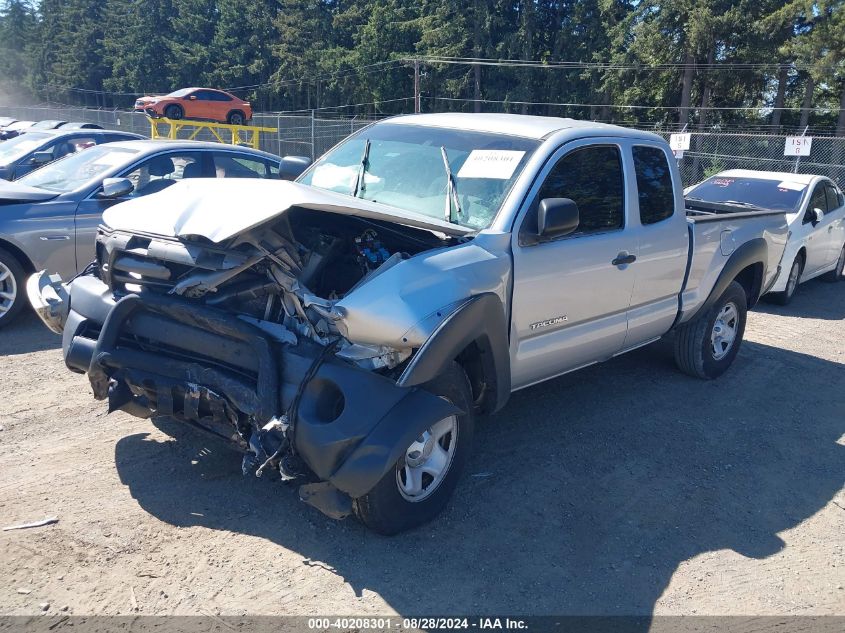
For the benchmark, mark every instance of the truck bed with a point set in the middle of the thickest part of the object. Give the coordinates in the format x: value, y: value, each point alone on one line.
x: 715, y: 235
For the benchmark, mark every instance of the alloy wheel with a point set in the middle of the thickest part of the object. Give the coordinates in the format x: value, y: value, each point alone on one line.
x: 8, y: 289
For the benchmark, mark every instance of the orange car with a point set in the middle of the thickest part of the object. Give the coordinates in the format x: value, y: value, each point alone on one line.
x: 197, y: 103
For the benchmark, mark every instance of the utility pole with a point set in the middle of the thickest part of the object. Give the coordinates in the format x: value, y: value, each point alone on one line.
x: 416, y: 86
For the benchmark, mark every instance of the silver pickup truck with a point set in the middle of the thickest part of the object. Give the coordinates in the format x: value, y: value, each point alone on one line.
x: 347, y: 329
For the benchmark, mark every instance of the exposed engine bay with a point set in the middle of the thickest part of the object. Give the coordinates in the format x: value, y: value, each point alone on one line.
x: 247, y: 338
x: 286, y: 277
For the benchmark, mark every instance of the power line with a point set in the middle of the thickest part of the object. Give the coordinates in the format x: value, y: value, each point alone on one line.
x: 629, y: 106
x: 581, y: 65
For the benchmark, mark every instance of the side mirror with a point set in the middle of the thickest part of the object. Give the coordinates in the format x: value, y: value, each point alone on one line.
x: 116, y: 188
x: 192, y: 98
x: 557, y: 217
x: 292, y: 167
x: 818, y: 215
x: 41, y: 158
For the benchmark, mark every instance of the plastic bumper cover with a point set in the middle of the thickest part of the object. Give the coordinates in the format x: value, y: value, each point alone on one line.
x: 352, y: 425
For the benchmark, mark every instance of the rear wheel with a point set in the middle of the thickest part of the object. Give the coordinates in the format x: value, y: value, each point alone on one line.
x: 236, y: 118
x: 838, y: 273
x: 419, y: 485
x: 12, y: 297
x: 706, y: 347
x: 785, y: 297
x: 174, y: 112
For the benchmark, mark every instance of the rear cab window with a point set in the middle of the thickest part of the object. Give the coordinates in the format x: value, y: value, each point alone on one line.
x: 655, y: 191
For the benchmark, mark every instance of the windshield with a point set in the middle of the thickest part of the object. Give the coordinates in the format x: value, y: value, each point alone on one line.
x: 404, y: 167
x: 181, y: 93
x: 778, y: 195
x: 77, y: 169
x: 20, y: 146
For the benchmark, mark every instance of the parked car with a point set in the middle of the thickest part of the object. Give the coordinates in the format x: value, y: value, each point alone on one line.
x: 15, y: 129
x: 815, y: 210
x: 347, y: 329
x: 81, y: 125
x: 48, y: 124
x: 32, y: 150
x: 204, y: 104
x: 50, y: 217
x: 6, y: 120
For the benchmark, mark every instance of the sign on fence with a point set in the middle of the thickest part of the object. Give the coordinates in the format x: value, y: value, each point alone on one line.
x: 797, y: 145
x: 679, y: 142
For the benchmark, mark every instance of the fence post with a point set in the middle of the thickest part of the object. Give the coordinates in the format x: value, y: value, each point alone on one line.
x: 313, y: 147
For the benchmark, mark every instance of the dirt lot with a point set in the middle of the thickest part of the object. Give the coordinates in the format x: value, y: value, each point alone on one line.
x: 626, y: 488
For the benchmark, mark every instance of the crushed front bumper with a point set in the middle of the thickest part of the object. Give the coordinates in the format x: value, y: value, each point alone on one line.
x: 49, y: 298
x: 151, y: 354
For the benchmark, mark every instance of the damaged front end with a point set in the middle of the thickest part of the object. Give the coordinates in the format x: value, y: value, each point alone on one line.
x: 249, y: 338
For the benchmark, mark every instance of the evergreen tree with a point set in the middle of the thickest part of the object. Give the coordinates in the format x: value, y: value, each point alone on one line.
x: 18, y: 28
x: 137, y: 46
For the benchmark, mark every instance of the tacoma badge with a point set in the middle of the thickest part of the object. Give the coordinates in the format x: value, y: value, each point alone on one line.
x: 555, y: 321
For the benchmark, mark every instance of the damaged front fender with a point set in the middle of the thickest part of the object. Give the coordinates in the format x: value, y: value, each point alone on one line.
x: 354, y: 425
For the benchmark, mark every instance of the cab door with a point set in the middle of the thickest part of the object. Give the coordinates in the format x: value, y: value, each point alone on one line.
x: 571, y: 294
x: 819, y: 234
x: 836, y: 228
x: 660, y: 227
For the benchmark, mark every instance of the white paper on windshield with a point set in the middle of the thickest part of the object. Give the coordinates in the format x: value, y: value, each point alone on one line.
x: 25, y: 146
x: 340, y: 177
x: 110, y: 159
x: 490, y: 163
x: 792, y: 186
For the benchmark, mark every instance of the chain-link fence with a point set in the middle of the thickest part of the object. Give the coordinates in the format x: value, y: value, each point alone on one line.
x: 712, y: 152
x: 310, y: 134
x: 304, y: 134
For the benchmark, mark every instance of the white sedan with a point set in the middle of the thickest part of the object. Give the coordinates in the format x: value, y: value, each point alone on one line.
x: 815, y: 211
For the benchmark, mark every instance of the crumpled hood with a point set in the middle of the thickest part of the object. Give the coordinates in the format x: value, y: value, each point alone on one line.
x: 13, y: 191
x: 219, y: 209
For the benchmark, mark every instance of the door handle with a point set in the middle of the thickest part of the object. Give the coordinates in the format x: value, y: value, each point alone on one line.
x: 624, y: 258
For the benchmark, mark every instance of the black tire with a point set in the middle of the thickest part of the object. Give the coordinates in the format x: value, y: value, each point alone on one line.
x: 236, y: 117
x: 174, y: 112
x: 795, y: 271
x: 13, y: 283
x: 387, y: 511
x: 838, y: 273
x: 695, y: 352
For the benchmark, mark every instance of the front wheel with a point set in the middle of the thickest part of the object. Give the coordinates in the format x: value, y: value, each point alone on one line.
x: 838, y: 273
x: 785, y: 297
x: 12, y: 297
x: 173, y: 112
x: 706, y: 347
x: 419, y: 485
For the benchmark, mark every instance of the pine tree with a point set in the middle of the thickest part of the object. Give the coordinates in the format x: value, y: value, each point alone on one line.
x: 137, y: 46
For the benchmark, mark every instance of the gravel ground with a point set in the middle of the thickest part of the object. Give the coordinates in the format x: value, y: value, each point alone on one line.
x: 626, y: 488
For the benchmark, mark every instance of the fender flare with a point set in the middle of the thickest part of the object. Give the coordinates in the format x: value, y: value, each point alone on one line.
x: 481, y: 320
x: 752, y: 252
